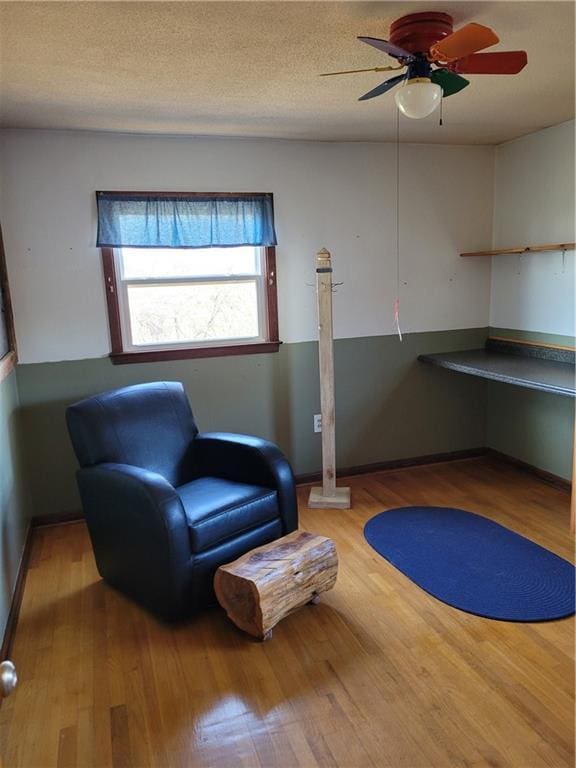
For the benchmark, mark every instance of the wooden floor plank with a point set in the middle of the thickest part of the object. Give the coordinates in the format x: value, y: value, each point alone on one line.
x: 379, y: 674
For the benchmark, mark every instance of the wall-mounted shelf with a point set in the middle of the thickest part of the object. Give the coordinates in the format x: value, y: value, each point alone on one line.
x: 522, y: 371
x: 525, y: 249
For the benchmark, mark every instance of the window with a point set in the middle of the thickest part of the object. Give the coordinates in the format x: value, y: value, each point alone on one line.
x: 8, y: 357
x: 179, y: 303
x: 188, y: 274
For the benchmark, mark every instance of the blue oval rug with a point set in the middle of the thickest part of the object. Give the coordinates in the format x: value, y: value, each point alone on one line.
x: 474, y: 564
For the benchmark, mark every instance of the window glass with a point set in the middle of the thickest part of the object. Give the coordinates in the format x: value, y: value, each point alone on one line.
x: 138, y: 263
x: 198, y: 312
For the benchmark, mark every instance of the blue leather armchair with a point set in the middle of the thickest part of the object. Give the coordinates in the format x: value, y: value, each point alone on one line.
x: 165, y: 506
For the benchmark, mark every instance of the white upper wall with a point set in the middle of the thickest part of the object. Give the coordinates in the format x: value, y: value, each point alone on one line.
x: 534, y: 204
x: 342, y: 196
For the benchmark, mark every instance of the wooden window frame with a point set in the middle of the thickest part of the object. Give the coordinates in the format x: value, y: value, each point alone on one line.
x: 119, y: 356
x: 9, y: 360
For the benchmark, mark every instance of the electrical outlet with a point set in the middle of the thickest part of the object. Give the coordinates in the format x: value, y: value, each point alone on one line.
x: 317, y: 422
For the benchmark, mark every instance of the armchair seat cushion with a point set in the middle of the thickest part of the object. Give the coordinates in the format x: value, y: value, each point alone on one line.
x: 218, y: 509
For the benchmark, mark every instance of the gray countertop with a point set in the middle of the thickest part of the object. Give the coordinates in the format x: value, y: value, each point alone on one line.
x: 523, y: 371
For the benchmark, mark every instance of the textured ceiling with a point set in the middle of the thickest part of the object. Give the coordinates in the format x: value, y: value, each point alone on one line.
x: 250, y: 69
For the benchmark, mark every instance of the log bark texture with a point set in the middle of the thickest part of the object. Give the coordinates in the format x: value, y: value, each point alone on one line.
x: 272, y: 581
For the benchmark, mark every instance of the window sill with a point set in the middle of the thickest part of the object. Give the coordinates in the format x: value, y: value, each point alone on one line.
x: 156, y: 356
x: 7, y: 364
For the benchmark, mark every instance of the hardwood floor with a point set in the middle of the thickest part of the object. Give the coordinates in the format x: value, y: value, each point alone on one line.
x: 378, y: 674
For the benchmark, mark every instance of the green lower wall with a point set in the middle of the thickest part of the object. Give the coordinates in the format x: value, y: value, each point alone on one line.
x: 389, y: 406
x: 12, y: 516
x: 536, y: 427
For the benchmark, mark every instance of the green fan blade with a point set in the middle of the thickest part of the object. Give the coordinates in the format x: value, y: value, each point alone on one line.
x: 450, y: 82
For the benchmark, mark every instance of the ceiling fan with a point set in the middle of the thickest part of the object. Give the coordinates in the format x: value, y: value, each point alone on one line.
x: 434, y: 58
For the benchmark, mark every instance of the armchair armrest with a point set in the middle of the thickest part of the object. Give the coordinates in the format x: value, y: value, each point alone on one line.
x: 248, y: 459
x: 139, y: 533
x: 157, y: 489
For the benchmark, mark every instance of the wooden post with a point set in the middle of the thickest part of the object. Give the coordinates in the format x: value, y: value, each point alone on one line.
x: 329, y: 496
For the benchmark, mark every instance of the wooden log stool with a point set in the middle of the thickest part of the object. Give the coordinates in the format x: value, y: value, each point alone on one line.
x: 268, y: 583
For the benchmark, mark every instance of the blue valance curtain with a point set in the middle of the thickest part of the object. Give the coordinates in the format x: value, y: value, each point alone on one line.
x: 136, y: 220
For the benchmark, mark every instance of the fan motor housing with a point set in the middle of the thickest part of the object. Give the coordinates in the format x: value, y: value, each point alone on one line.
x: 417, y: 32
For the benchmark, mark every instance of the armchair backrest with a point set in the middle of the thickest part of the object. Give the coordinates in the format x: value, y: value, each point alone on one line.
x: 146, y: 425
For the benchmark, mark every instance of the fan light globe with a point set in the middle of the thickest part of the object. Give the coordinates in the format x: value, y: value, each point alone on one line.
x: 418, y: 98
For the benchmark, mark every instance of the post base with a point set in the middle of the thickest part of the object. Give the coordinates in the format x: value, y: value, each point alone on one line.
x: 339, y: 498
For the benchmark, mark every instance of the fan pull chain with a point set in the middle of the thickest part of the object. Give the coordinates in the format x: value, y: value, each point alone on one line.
x: 397, y: 299
x: 442, y: 110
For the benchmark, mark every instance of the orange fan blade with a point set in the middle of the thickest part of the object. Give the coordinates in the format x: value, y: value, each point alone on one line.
x: 498, y: 63
x: 469, y: 39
